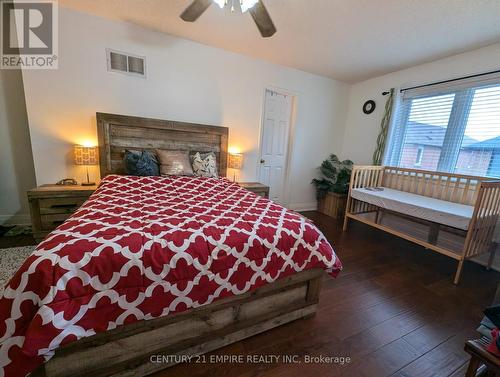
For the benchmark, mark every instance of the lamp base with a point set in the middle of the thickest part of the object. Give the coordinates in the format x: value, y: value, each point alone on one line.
x: 88, y: 183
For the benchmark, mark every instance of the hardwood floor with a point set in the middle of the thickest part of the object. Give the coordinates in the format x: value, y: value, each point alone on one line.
x: 393, y: 310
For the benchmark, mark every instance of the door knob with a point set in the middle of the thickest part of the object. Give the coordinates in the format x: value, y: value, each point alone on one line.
x: 262, y: 161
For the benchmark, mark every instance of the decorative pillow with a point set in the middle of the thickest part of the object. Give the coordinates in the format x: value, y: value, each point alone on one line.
x: 204, y: 164
x: 174, y: 162
x: 141, y: 163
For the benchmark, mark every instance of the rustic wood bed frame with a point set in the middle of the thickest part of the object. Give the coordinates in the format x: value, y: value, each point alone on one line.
x: 143, y: 347
x: 116, y: 133
x: 480, y: 192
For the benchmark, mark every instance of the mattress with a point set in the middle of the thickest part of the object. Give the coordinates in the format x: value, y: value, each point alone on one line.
x: 146, y: 247
x: 439, y: 211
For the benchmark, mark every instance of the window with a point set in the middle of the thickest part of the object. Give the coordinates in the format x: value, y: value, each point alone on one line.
x: 457, y: 125
x: 420, y: 155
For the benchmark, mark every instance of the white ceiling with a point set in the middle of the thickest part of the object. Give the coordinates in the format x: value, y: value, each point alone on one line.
x: 349, y: 40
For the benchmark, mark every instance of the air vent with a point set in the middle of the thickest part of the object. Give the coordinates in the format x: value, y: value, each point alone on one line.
x: 126, y: 63
x: 117, y: 62
x: 136, y: 65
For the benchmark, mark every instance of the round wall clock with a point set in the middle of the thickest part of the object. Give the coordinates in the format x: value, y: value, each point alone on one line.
x: 369, y: 106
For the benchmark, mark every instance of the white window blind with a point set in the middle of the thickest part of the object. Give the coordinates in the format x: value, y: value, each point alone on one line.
x: 453, y: 127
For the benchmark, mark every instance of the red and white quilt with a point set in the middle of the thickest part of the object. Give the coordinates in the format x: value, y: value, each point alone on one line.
x: 145, y: 247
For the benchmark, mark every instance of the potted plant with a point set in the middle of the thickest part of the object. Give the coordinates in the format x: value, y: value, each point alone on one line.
x: 332, y: 188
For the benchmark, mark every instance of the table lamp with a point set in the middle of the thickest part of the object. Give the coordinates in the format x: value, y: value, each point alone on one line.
x: 235, y: 162
x: 86, y: 156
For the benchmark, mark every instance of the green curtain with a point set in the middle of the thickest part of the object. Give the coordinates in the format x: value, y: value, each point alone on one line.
x: 384, y: 128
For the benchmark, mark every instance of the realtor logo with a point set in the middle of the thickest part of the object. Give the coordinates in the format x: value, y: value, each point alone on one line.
x: 29, y: 34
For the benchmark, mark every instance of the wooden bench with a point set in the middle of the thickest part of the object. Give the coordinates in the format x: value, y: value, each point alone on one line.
x: 451, y: 214
x: 481, y: 360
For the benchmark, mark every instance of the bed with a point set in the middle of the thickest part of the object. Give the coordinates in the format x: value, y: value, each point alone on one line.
x: 153, y: 267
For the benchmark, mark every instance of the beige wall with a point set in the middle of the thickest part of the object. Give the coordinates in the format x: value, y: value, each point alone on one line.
x: 185, y: 81
x: 16, y: 161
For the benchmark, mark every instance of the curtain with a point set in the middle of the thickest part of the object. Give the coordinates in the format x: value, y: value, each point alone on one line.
x: 384, y: 128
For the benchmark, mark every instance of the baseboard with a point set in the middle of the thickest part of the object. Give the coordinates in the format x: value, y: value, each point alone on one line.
x: 312, y: 206
x: 15, y: 219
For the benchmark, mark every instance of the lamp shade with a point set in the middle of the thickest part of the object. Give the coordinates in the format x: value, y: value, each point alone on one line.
x: 86, y: 155
x: 235, y: 161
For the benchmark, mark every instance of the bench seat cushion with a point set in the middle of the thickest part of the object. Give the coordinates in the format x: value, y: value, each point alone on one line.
x: 439, y: 211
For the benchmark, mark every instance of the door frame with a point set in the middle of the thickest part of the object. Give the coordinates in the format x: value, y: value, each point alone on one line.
x: 291, y: 136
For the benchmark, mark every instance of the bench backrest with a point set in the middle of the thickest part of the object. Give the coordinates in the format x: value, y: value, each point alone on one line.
x: 455, y: 188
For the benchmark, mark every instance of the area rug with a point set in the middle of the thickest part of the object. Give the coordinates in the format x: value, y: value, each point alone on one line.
x: 10, y: 260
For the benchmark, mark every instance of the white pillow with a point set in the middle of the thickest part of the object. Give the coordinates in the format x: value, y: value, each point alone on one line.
x: 204, y: 164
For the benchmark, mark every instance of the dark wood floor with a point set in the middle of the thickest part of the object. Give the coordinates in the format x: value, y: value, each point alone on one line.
x: 17, y: 241
x: 393, y: 310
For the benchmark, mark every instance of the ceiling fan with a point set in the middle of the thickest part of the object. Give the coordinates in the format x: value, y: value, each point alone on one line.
x: 256, y: 8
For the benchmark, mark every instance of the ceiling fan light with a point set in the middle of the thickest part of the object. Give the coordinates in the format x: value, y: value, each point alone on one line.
x: 220, y: 3
x: 247, y: 4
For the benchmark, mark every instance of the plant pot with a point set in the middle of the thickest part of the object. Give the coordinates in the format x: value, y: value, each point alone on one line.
x: 333, y: 205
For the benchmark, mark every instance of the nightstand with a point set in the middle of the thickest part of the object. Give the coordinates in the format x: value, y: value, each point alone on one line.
x: 50, y: 205
x: 256, y: 187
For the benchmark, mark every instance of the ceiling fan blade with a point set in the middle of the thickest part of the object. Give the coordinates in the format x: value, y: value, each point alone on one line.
x: 262, y: 19
x: 195, y: 10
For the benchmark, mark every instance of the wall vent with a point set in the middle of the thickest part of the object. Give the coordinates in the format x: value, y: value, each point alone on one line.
x: 123, y: 62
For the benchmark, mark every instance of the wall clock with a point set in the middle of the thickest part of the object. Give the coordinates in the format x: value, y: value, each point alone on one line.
x: 369, y: 106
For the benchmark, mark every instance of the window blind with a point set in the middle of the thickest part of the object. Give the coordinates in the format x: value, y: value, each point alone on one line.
x: 453, y: 127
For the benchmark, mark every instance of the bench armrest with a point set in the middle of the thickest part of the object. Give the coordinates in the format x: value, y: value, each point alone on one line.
x: 484, y: 219
x: 366, y: 176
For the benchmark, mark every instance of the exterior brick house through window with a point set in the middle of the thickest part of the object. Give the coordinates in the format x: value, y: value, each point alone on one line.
x: 448, y: 129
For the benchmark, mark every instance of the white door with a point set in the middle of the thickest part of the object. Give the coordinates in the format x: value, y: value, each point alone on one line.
x: 274, y: 144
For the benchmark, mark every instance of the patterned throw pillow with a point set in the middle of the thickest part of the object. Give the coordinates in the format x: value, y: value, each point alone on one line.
x: 204, y: 164
x: 141, y: 163
x: 174, y: 162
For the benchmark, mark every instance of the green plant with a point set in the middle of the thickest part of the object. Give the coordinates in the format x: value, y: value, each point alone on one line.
x: 336, y: 176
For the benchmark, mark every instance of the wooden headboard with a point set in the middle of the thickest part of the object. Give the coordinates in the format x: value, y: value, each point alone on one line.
x: 116, y: 133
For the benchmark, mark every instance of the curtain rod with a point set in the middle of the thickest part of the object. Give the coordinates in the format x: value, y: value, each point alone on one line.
x: 451, y: 80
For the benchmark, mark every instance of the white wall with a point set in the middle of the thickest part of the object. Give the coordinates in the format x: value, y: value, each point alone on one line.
x: 186, y: 81
x: 16, y: 163
x: 361, y: 130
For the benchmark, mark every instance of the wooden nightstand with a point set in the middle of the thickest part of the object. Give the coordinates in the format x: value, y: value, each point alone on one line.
x: 50, y: 205
x: 256, y: 187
